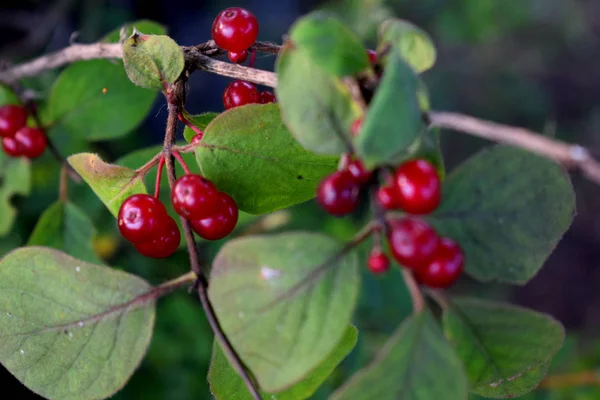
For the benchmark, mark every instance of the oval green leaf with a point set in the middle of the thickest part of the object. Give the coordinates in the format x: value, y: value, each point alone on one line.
x: 70, y: 329
x: 15, y: 179
x: 111, y: 183
x: 63, y: 226
x: 226, y: 384
x: 8, y: 96
x: 284, y: 297
x: 250, y: 154
x: 143, y: 25
x: 506, y: 349
x: 329, y: 44
x: 393, y: 120
x: 414, y: 45
x: 508, y: 208
x: 416, y: 363
x: 152, y: 61
x: 316, y: 107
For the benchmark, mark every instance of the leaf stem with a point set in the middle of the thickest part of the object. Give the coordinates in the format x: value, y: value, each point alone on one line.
x: 63, y: 184
x: 584, y: 378
x: 187, y: 123
x: 414, y: 290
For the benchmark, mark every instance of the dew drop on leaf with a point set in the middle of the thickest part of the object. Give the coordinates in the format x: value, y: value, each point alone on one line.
x: 22, y: 351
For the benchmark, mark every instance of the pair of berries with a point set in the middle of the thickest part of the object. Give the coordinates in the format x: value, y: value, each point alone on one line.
x: 435, y: 261
x: 17, y: 138
x: 338, y: 193
x: 143, y: 219
x: 239, y: 93
x: 235, y: 29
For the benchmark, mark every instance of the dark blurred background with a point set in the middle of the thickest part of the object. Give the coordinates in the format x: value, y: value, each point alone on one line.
x: 533, y: 63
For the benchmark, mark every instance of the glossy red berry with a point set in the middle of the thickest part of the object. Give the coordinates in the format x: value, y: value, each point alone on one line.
x: 412, y: 241
x: 378, y: 262
x: 197, y: 138
x: 372, y: 56
x: 387, y: 197
x: 240, y: 93
x: 238, y: 58
x: 267, y: 97
x: 235, y: 29
x: 142, y: 218
x: 359, y: 172
x: 12, y: 118
x: 32, y: 141
x: 164, y: 245
x: 194, y: 197
x: 419, y: 187
x: 222, y: 221
x: 11, y: 147
x: 356, y: 125
x: 445, y: 267
x: 338, y: 193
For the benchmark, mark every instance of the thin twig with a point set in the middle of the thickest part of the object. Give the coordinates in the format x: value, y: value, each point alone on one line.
x: 63, y: 185
x: 571, y: 156
x: 202, y: 282
x: 574, y: 379
x: 414, y: 289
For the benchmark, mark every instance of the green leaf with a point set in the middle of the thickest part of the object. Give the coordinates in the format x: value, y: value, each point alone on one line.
x: 393, y: 121
x: 15, y: 179
x: 152, y: 61
x: 63, y: 226
x: 284, y: 297
x: 94, y: 100
x: 506, y: 349
x: 414, y: 44
x: 316, y: 107
x: 143, y: 25
x: 8, y: 96
x: 508, y: 208
x: 249, y: 153
x: 329, y: 44
x: 111, y: 183
x: 65, y: 333
x: 416, y: 363
x: 200, y: 121
x: 226, y: 384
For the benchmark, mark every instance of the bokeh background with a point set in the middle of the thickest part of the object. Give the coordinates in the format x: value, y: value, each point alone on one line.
x: 533, y: 63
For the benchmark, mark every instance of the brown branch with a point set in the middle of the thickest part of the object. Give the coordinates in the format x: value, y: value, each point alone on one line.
x: 585, y: 378
x: 571, y: 156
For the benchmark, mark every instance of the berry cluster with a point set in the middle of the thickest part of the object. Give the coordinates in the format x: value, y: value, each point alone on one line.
x: 143, y: 219
x: 235, y: 29
x: 19, y: 140
x: 415, y: 189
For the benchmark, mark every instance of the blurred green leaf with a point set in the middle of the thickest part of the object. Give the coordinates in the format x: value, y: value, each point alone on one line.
x: 416, y: 363
x: 329, y: 44
x: 321, y: 125
x: 63, y: 226
x: 506, y: 349
x: 226, y: 384
x: 63, y: 334
x: 284, y: 297
x: 508, y: 208
x: 15, y: 179
x: 428, y: 147
x: 111, y: 183
x: 8, y: 96
x: 393, y: 120
x: 200, y: 121
x: 143, y: 25
x: 151, y: 61
x: 249, y: 154
x: 412, y: 43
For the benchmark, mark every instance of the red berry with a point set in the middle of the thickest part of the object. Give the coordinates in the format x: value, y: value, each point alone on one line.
x: 32, y: 141
x: 12, y: 118
x: 267, y: 97
x: 338, y: 193
x: 239, y: 57
x: 372, y: 56
x: 359, y: 172
x: 387, y: 197
x: 164, y: 245
x: 222, y: 221
x: 142, y: 218
x: 419, y: 187
x: 235, y: 29
x: 412, y: 241
x: 378, y: 262
x: 197, y: 138
x: 240, y: 93
x: 445, y: 267
x: 12, y: 147
x: 194, y: 197
x: 356, y: 125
